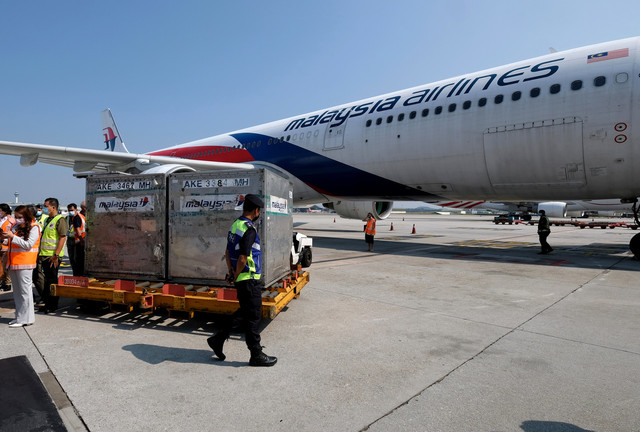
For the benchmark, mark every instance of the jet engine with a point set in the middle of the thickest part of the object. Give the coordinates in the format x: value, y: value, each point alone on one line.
x: 359, y: 209
x: 553, y: 208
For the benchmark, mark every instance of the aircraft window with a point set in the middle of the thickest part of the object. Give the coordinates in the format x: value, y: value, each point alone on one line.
x: 400, y: 117
x: 599, y: 81
x: 535, y: 92
x: 498, y: 99
x: 288, y: 138
x: 576, y: 85
x: 425, y: 112
x: 482, y: 102
x: 412, y: 115
x: 516, y: 95
x: 554, y: 89
x: 368, y: 122
x: 438, y: 110
x: 452, y: 107
x: 466, y: 105
x: 258, y: 144
x: 379, y: 120
x: 389, y: 119
x: 269, y: 142
x: 281, y: 138
x: 622, y: 77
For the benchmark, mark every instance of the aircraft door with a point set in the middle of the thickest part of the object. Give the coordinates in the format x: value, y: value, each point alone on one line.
x: 553, y: 151
x: 334, y: 137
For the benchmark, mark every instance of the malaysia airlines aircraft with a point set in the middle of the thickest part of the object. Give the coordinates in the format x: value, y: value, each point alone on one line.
x: 555, y: 127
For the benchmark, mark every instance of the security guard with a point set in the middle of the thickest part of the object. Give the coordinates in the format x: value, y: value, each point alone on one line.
x: 54, y: 235
x: 243, y: 257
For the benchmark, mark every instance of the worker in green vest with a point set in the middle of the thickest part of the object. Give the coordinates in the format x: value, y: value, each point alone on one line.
x: 244, y: 260
x: 54, y: 236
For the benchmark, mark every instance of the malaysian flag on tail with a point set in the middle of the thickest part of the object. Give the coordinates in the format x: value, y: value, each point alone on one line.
x: 608, y: 55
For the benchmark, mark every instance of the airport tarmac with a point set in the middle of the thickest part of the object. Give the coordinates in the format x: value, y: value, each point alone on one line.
x: 459, y: 327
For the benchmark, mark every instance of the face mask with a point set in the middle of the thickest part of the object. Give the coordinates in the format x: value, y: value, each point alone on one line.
x: 255, y: 218
x: 19, y: 221
x: 38, y: 213
x: 72, y: 213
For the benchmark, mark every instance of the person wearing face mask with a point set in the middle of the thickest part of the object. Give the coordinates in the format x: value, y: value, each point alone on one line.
x: 75, y: 239
x: 40, y: 216
x: 24, y: 240
x: 54, y: 235
x: 6, y: 222
x: 243, y: 256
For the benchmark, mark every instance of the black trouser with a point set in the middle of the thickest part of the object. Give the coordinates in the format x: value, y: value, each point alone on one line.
x: 250, y: 299
x: 543, y: 241
x: 47, y: 275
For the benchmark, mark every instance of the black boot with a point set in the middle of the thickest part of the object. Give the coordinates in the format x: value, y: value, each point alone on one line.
x: 5, y: 287
x: 216, y: 342
x: 258, y: 358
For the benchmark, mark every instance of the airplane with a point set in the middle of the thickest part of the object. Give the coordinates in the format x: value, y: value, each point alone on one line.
x: 558, y: 209
x: 555, y: 127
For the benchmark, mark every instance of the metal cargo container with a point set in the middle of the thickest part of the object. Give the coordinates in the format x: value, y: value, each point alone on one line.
x: 202, y: 208
x: 126, y: 226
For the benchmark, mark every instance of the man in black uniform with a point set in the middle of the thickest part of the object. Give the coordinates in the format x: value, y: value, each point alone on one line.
x: 544, y: 229
x: 243, y: 257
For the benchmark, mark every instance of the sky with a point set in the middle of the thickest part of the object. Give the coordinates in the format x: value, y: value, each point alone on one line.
x: 174, y: 72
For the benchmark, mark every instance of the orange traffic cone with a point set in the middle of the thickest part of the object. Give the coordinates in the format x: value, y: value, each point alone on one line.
x: 391, y: 229
x: 413, y: 231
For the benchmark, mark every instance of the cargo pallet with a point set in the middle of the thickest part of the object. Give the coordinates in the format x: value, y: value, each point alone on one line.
x: 177, y: 299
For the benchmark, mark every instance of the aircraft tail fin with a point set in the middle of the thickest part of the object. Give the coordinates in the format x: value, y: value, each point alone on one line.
x: 112, y: 138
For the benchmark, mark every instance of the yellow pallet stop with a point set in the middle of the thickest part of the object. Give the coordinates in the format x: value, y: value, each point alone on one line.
x: 189, y: 299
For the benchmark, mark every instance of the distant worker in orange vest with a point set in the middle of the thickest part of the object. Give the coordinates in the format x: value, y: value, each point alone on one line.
x: 370, y: 231
x: 6, y: 222
x: 24, y: 241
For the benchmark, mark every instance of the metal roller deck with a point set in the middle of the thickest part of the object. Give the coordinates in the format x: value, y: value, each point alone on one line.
x: 177, y: 298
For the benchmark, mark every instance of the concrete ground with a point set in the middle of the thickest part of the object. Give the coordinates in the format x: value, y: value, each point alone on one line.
x: 459, y: 327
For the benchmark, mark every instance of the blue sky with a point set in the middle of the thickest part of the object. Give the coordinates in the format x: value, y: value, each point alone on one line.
x: 173, y: 71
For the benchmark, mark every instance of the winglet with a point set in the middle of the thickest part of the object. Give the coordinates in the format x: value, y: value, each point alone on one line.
x: 112, y: 137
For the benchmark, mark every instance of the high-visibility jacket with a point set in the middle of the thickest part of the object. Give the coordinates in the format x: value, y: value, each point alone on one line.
x: 21, y: 259
x: 371, y: 227
x: 42, y: 219
x: 80, y: 233
x: 6, y: 226
x: 253, y: 267
x: 49, y: 239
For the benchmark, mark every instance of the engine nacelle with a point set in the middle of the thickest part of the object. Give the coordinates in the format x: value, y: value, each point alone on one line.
x: 359, y: 209
x: 553, y: 208
x: 167, y: 169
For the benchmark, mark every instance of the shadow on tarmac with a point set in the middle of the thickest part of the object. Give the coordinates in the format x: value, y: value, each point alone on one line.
x: 550, y: 426
x: 594, y: 255
x: 156, y: 354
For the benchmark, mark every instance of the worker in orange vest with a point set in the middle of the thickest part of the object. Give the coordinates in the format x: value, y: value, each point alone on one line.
x: 24, y: 242
x: 6, y: 222
x: 370, y: 231
x: 75, y: 239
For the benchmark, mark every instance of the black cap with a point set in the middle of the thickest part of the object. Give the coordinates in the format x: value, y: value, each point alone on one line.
x: 251, y: 202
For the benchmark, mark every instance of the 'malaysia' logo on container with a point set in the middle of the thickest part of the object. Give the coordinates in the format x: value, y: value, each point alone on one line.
x: 278, y: 205
x: 211, y: 202
x: 142, y: 203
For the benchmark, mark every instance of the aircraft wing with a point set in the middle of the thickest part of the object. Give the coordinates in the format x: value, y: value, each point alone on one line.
x: 82, y: 160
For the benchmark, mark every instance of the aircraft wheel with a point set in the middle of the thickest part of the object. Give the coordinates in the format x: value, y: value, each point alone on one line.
x: 634, y: 245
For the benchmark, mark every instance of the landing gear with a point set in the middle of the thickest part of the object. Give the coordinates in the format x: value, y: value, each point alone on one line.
x: 634, y: 244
